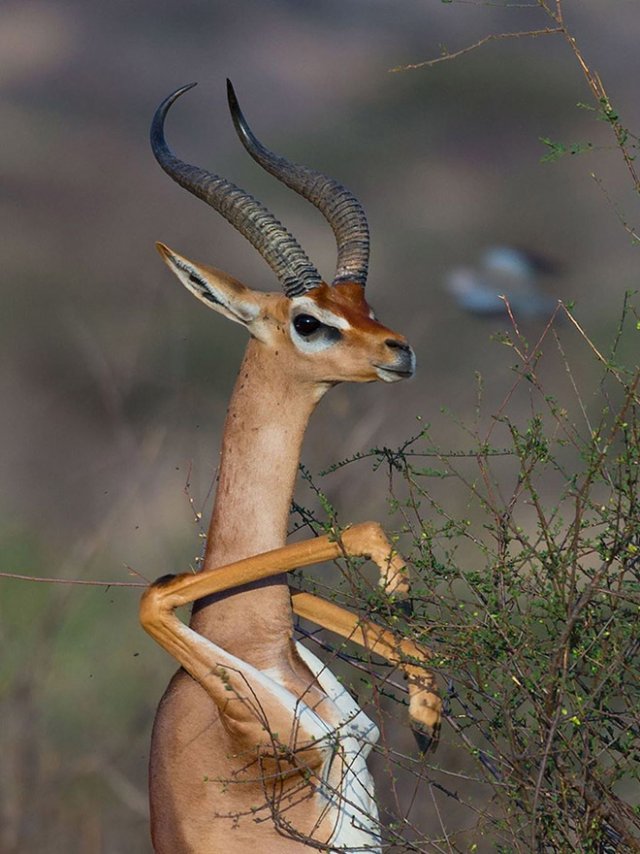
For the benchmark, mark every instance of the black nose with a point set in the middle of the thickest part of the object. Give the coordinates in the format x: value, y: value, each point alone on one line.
x: 397, y: 345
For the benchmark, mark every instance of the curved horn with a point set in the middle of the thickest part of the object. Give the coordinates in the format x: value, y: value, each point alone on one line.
x: 340, y: 208
x: 250, y: 217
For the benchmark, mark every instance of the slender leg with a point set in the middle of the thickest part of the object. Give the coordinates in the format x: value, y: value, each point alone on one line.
x: 425, y: 705
x: 364, y: 540
x: 237, y: 688
x: 253, y: 706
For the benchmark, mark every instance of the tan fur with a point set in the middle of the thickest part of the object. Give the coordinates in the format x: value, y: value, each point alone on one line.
x: 220, y: 781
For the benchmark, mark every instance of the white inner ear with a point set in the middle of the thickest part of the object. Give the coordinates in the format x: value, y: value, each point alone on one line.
x: 215, y: 297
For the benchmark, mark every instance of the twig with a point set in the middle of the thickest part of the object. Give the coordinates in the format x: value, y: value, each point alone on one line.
x: 621, y: 218
x: 594, y: 349
x: 492, y: 37
x: 78, y: 581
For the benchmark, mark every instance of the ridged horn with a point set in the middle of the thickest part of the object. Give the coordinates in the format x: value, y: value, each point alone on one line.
x: 250, y: 217
x: 338, y: 205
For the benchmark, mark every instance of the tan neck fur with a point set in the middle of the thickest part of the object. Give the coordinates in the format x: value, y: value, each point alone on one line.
x: 263, y: 433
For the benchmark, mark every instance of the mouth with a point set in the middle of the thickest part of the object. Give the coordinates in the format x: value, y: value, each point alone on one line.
x: 391, y: 374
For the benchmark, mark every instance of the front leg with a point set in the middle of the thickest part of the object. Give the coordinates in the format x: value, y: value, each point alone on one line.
x: 364, y: 540
x: 227, y: 679
x: 251, y: 704
x: 264, y: 719
x: 425, y: 705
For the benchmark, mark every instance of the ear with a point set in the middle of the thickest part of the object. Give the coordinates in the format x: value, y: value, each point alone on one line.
x: 214, y: 288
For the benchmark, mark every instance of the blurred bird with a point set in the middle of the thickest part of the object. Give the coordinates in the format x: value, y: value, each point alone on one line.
x: 503, y: 271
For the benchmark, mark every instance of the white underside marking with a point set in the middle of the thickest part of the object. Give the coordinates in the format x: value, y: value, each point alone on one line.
x: 349, y: 801
x: 357, y: 826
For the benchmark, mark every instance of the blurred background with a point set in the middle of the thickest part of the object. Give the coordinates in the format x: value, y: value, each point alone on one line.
x: 114, y: 381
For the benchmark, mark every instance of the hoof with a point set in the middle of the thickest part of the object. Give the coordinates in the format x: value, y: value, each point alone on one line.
x: 405, y: 606
x: 426, y: 738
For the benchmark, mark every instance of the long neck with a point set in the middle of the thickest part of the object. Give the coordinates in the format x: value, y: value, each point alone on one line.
x: 263, y: 433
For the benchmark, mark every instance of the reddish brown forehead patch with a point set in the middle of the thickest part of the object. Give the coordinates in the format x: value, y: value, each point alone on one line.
x: 346, y: 299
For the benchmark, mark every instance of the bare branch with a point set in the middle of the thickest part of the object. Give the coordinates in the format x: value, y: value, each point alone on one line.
x: 75, y: 581
x: 428, y: 63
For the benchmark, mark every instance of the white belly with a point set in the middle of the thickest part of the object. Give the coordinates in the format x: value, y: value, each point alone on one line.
x: 352, y: 799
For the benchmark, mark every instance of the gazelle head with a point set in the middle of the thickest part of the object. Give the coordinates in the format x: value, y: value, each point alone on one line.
x: 324, y: 333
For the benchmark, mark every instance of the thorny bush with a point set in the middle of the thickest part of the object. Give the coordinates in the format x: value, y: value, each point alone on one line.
x: 530, y: 603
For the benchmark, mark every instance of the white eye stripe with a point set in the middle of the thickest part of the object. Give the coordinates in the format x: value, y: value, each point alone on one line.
x: 324, y: 316
x: 314, y: 346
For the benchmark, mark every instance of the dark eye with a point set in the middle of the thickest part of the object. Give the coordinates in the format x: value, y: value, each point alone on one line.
x: 305, y: 324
